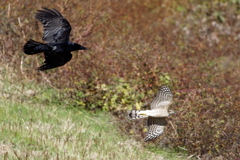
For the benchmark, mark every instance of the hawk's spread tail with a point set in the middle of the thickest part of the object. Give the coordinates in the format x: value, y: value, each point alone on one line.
x: 134, y: 114
x: 33, y: 47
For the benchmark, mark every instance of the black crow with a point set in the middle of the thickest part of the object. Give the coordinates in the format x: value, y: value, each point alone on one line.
x: 57, y: 51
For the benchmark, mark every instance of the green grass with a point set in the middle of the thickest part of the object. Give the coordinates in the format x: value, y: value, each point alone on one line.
x: 37, y: 122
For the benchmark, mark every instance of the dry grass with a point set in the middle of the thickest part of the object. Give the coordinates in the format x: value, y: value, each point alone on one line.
x: 135, y: 47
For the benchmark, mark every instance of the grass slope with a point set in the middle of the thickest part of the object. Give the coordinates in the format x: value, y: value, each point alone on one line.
x: 38, y: 123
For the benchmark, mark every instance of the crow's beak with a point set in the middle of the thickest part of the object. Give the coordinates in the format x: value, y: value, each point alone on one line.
x: 84, y: 48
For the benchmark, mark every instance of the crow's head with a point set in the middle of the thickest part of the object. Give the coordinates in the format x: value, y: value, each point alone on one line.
x: 76, y: 46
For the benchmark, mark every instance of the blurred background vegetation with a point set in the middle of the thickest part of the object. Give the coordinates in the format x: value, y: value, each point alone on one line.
x: 135, y: 47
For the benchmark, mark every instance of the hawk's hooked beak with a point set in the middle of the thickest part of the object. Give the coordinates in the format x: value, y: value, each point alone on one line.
x: 171, y: 112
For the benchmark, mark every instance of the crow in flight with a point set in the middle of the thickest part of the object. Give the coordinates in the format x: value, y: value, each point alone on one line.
x: 57, y: 51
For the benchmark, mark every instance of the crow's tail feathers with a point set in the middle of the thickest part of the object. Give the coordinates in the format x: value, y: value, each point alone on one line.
x: 33, y: 47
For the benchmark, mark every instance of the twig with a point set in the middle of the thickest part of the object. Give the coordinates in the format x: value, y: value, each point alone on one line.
x: 20, y: 24
x: 175, y: 130
x: 192, y: 155
x: 9, y: 9
x: 47, y: 80
x: 21, y: 68
x: 183, y: 148
x: 16, y: 154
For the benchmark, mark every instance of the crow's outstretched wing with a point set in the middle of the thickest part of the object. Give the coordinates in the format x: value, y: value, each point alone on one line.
x: 53, y: 60
x: 56, y: 27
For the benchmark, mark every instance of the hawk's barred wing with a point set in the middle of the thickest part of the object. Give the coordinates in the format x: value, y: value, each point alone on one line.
x: 163, y: 98
x: 155, y: 127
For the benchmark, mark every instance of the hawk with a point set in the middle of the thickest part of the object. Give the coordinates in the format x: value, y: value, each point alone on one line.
x: 157, y: 115
x: 57, y: 51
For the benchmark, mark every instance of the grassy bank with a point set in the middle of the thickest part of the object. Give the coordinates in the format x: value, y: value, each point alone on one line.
x: 37, y: 122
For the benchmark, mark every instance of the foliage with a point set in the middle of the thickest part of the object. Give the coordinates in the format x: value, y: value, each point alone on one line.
x: 119, y: 97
